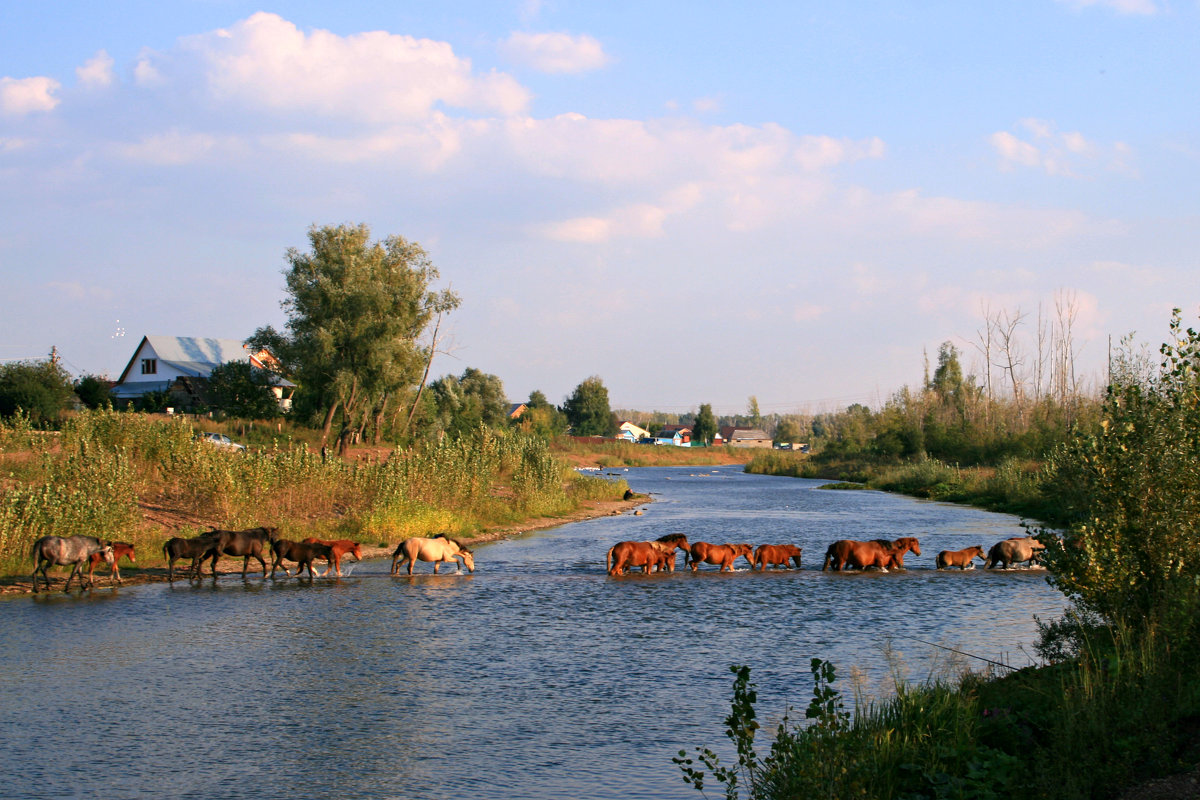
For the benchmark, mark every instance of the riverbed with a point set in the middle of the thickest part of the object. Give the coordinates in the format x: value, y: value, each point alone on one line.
x: 538, y: 676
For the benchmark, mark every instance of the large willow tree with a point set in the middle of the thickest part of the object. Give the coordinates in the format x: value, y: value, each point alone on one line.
x: 357, y: 313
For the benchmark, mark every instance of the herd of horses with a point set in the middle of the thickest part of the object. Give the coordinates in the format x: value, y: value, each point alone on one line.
x: 80, y: 552
x: 878, y: 554
x: 650, y: 556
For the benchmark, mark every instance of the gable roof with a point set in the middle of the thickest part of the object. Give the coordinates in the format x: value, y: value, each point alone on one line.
x: 193, y: 356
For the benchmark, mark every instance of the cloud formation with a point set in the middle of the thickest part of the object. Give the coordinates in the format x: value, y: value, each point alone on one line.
x: 1057, y: 153
x: 20, y: 96
x: 555, y: 53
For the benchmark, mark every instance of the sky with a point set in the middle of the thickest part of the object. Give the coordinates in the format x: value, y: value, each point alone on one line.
x: 698, y: 202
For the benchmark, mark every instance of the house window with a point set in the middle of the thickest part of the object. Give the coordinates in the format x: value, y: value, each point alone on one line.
x: 149, y: 366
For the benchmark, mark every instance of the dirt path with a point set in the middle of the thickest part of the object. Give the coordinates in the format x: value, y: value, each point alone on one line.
x: 132, y: 574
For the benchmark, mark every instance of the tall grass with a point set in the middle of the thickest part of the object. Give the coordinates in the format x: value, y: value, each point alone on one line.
x: 105, y: 463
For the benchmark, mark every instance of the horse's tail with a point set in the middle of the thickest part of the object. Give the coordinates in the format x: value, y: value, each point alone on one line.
x: 828, y: 558
x: 608, y: 560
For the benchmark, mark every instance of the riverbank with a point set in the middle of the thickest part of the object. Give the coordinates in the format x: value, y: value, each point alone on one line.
x: 155, y: 570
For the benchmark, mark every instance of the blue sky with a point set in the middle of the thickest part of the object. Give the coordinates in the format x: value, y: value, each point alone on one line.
x: 696, y: 202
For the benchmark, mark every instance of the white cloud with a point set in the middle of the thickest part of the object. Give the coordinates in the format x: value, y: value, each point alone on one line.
x: 267, y: 62
x: 1143, y: 7
x: 27, y: 95
x: 1063, y: 154
x: 555, y: 52
x: 173, y: 148
x: 77, y: 291
x: 97, y: 72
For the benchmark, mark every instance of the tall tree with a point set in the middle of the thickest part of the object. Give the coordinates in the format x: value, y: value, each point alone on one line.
x: 42, y: 389
x: 241, y: 390
x: 468, y: 401
x: 587, y: 409
x: 357, y: 310
x: 704, y: 429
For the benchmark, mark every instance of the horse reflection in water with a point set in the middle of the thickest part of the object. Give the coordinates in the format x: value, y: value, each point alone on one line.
x: 439, y: 549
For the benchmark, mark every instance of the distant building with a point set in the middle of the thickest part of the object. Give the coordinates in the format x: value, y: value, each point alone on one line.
x: 677, y: 435
x: 631, y: 432
x: 745, y: 437
x: 181, y: 365
x: 515, y: 410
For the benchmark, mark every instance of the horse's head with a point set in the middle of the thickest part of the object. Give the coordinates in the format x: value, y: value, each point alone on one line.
x: 271, y: 534
x: 356, y: 551
x: 107, y: 552
x: 468, y: 558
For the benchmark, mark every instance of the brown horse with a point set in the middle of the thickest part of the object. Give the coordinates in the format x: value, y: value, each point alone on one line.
x: 1014, y: 551
x: 723, y: 554
x: 302, y: 553
x: 963, y: 559
x: 338, y: 548
x: 776, y: 554
x: 859, y: 555
x: 439, y: 549
x: 195, y: 548
x: 673, y: 541
x: 900, y: 547
x: 250, y: 543
x: 74, y: 551
x: 622, y: 556
x: 120, y: 550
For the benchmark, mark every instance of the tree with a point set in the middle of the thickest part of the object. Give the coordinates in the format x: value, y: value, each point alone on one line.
x: 241, y: 390
x: 587, y: 410
x: 1133, y: 488
x: 787, y: 431
x: 465, y: 403
x: 93, y: 391
x: 42, y: 389
x: 753, y: 413
x: 356, y: 313
x: 541, y: 418
x: 704, y: 428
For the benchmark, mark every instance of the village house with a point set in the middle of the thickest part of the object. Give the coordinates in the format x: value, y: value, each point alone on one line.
x: 631, y: 432
x: 677, y: 435
x: 182, y: 364
x: 745, y: 437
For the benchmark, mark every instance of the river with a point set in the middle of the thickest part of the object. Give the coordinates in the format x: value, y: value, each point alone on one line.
x: 538, y: 676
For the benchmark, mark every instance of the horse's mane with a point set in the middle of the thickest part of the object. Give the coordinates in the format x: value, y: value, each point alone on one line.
x: 454, y: 542
x: 670, y: 538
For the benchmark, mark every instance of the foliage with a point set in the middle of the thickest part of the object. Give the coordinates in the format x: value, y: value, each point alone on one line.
x: 704, y: 429
x: 468, y: 401
x: 587, y: 409
x: 356, y: 311
x: 93, y: 391
x: 1132, y: 490
x: 242, y: 390
x: 41, y: 389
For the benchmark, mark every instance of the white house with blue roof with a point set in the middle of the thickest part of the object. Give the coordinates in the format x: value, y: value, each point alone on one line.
x: 159, y: 361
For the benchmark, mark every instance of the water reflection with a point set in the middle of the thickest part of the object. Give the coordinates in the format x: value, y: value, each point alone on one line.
x: 531, y: 677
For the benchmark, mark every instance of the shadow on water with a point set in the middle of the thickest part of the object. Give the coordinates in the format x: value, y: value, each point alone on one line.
x: 531, y: 677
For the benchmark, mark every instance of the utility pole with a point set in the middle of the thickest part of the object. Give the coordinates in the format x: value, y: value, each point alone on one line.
x: 54, y: 359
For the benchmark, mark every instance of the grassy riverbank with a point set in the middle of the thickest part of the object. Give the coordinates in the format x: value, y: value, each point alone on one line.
x: 136, y: 478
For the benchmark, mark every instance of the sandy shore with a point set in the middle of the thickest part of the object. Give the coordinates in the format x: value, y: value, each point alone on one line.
x: 131, y: 574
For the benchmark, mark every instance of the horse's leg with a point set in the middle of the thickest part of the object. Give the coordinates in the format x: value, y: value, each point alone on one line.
x: 74, y: 569
x: 37, y: 562
x: 436, y: 564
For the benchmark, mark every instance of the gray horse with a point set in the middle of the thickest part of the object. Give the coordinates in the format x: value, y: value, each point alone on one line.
x: 64, y: 550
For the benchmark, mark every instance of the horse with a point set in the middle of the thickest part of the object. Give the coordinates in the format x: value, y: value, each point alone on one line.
x: 248, y: 544
x: 1014, y: 551
x: 302, y: 553
x: 963, y: 559
x: 723, y: 554
x: 338, y: 548
x: 120, y: 549
x: 622, y: 556
x: 860, y: 555
x: 194, y: 548
x: 776, y: 554
x: 438, y: 549
x: 673, y: 541
x: 900, y: 547
x: 64, y: 550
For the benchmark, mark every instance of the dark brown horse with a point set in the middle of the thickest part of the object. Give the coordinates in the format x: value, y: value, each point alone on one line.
x: 673, y: 541
x: 195, y: 548
x: 120, y: 550
x: 963, y: 559
x: 73, y: 551
x: 250, y: 543
x: 302, y: 553
x: 338, y: 548
x: 722, y: 554
x: 849, y: 553
x: 900, y: 547
x: 776, y: 554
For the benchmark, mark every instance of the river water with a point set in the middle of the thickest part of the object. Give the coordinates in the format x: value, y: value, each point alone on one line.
x: 536, y: 677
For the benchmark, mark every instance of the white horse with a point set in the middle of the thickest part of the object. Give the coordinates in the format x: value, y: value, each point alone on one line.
x: 437, y: 550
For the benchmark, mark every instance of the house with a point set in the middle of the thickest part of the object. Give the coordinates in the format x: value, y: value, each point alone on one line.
x: 630, y: 432
x: 515, y: 410
x: 745, y: 437
x: 677, y: 435
x: 180, y: 364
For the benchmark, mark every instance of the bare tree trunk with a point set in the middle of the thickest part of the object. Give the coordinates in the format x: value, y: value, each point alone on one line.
x: 424, y: 376
x: 1010, y: 352
x: 328, y: 425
